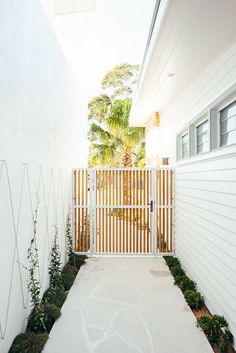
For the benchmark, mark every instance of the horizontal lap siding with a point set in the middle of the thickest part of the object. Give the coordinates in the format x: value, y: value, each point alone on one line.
x: 206, y: 231
x: 196, y: 99
x: 205, y: 191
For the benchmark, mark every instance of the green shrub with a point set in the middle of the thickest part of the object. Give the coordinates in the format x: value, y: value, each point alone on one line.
x: 212, y: 326
x: 36, y: 320
x: 178, y: 279
x: 70, y: 269
x: 29, y: 342
x: 194, y: 299
x: 185, y: 283
x: 51, y: 314
x: 171, y: 261
x: 77, y: 260
x: 55, y: 296
x: 225, y: 341
x: 177, y: 271
x: 68, y: 275
x: 216, y: 329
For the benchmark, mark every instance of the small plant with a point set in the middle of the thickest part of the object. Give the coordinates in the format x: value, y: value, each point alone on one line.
x: 177, y: 271
x: 178, y: 279
x: 29, y: 342
x: 225, y: 341
x: 212, y: 326
x: 68, y: 276
x: 216, y: 329
x: 185, y: 283
x: 171, y: 261
x: 34, y: 284
x: 194, y: 299
x: 75, y: 260
x: 55, y: 296
x: 69, y: 237
x: 55, y: 263
x: 51, y: 314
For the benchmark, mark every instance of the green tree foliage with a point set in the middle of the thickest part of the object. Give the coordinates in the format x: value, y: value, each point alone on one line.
x: 112, y: 142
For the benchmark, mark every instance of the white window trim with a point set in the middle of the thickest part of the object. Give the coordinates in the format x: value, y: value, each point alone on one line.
x: 179, y: 145
x: 213, y: 116
x: 193, y: 130
x: 196, y: 126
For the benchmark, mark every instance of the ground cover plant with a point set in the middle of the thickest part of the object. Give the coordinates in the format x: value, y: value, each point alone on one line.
x: 29, y: 342
x: 55, y: 296
x: 216, y: 330
x: 215, y: 327
x: 47, y: 310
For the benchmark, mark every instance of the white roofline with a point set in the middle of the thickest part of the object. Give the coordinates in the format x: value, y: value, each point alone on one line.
x: 157, y: 20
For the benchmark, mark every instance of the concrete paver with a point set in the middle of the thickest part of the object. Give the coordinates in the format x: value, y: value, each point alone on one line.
x: 126, y: 305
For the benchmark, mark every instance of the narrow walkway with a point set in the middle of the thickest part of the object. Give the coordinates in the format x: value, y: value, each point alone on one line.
x: 126, y: 305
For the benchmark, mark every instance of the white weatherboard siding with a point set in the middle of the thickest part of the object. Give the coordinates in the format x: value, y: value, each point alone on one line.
x: 205, y: 213
x: 205, y: 230
x: 38, y: 145
x: 213, y: 84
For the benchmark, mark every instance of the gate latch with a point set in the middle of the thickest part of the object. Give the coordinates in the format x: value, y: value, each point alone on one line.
x: 151, y: 206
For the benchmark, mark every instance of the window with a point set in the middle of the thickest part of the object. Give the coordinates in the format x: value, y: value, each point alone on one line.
x: 202, y: 137
x: 228, y: 125
x: 213, y: 128
x: 185, y: 146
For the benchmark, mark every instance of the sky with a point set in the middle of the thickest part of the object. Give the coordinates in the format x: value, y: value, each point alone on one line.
x: 96, y: 41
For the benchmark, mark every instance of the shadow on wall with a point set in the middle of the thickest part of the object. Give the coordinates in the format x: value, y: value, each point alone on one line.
x: 22, y: 188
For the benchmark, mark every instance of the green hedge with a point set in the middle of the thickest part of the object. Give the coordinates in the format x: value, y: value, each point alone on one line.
x: 29, y: 342
x: 51, y: 314
x: 215, y: 327
x: 55, y: 296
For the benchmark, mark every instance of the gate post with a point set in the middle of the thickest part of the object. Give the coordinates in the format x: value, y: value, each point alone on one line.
x: 154, y: 213
x: 92, y: 190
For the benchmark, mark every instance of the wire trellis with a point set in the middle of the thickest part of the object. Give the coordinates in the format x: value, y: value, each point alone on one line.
x: 51, y: 200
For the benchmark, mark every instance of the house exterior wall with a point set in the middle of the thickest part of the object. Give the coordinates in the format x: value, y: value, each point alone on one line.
x: 39, y: 145
x: 205, y: 189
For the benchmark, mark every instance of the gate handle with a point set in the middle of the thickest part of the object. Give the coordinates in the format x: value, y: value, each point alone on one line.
x: 151, y: 206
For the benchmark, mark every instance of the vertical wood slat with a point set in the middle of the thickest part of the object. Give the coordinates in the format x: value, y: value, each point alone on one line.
x: 124, y: 230
x: 75, y: 210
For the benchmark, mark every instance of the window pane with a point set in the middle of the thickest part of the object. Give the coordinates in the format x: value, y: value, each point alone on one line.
x: 228, y: 139
x: 185, y: 146
x: 203, y: 147
x: 228, y: 125
x: 228, y: 111
x: 202, y: 128
x: 203, y: 137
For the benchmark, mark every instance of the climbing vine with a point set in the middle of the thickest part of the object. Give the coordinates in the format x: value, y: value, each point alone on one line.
x: 55, y: 263
x: 69, y: 237
x: 34, y: 286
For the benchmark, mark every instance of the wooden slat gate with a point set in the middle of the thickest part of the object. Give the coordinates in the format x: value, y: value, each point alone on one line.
x: 122, y: 211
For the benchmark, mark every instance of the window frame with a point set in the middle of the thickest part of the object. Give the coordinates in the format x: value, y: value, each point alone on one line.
x: 199, y: 123
x: 213, y: 117
x: 186, y: 132
x: 225, y: 107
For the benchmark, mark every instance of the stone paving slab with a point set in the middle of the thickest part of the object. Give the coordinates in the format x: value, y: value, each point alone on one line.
x: 126, y: 305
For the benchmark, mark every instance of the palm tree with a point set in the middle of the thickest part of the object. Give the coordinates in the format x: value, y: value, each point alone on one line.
x: 112, y: 142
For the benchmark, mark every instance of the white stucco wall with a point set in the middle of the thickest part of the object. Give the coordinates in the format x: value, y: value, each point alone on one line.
x: 39, y: 144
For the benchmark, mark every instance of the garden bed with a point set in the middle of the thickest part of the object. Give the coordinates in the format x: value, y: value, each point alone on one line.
x: 215, y: 327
